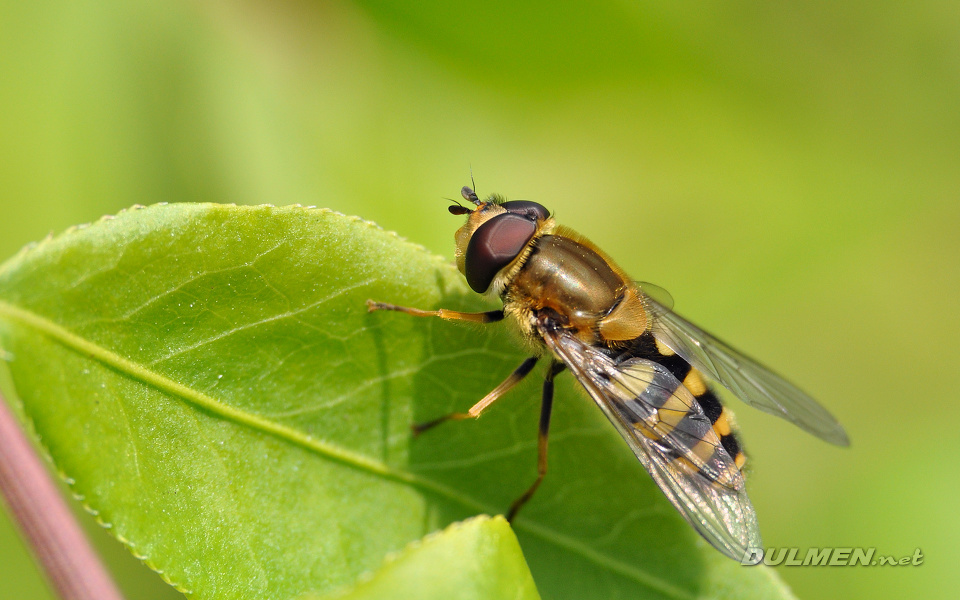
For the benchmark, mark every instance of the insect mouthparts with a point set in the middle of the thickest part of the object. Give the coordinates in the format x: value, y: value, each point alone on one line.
x: 646, y: 367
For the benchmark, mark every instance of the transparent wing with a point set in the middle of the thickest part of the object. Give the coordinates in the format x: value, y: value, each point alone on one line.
x: 671, y: 436
x: 656, y: 293
x: 749, y: 381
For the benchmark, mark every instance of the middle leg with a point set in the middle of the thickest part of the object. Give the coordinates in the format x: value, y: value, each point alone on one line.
x: 522, y: 371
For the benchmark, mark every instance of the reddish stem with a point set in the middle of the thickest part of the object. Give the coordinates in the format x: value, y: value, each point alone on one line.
x: 70, y: 562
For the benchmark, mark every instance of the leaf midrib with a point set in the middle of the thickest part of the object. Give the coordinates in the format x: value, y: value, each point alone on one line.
x: 137, y: 372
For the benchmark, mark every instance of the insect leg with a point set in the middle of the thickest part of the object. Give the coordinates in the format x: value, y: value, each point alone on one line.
x: 450, y: 315
x: 545, y: 408
x: 487, y: 400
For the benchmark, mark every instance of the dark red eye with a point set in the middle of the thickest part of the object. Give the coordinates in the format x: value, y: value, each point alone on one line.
x: 494, y: 245
x: 529, y: 209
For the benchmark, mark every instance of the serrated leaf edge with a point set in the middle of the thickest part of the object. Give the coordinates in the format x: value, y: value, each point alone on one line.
x: 130, y: 368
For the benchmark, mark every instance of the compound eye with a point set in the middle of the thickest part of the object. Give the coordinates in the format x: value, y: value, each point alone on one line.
x: 494, y: 245
x: 529, y: 209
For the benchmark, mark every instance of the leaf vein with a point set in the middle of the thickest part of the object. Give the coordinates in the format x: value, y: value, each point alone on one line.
x: 270, y: 319
x: 162, y: 383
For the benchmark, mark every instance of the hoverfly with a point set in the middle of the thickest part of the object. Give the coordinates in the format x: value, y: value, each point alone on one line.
x: 644, y: 365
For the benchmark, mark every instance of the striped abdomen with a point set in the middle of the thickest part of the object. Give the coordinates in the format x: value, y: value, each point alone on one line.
x: 647, y: 347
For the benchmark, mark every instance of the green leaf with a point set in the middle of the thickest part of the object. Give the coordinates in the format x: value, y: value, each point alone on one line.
x: 478, y: 559
x: 209, y: 380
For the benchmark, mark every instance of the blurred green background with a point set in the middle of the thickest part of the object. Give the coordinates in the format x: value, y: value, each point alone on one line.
x: 790, y: 171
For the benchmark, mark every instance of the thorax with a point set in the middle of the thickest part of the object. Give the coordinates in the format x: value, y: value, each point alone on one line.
x: 568, y: 277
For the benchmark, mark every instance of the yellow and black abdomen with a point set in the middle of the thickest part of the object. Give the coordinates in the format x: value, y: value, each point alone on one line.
x: 647, y: 347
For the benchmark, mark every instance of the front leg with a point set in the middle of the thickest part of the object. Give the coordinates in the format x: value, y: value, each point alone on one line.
x: 451, y: 315
x: 491, y: 316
